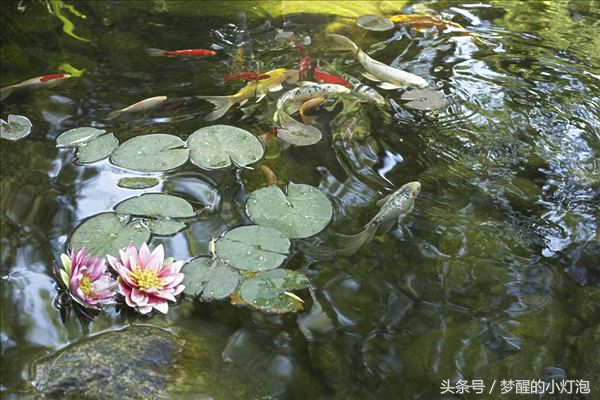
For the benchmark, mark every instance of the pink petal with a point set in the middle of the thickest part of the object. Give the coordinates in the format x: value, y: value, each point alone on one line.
x: 166, y: 294
x: 144, y: 254
x: 138, y: 297
x: 112, y: 261
x: 178, y: 290
x: 124, y: 259
x: 159, y: 252
x: 124, y: 289
x: 130, y: 302
x: 124, y: 274
x: 162, y: 307
x: 173, y: 280
x: 144, y: 309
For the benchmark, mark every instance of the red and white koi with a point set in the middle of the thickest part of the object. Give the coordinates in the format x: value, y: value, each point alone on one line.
x: 181, y: 53
x: 40, y: 81
x: 304, y: 65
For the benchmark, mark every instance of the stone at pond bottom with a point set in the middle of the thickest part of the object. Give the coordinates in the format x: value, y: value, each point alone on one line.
x: 133, y: 363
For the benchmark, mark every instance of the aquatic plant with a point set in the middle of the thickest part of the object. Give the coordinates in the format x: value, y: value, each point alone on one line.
x: 17, y: 127
x: 146, y: 279
x: 86, y: 279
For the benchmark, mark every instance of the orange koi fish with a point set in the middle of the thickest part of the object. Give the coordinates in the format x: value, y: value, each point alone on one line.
x: 185, y: 53
x: 324, y: 77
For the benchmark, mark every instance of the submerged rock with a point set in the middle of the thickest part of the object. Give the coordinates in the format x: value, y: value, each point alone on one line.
x: 132, y: 363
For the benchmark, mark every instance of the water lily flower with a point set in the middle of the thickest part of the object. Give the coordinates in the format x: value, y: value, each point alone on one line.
x: 147, y: 280
x: 87, y: 280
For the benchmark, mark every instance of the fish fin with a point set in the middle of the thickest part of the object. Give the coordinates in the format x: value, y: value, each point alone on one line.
x: 349, y: 244
x: 370, y: 77
x: 6, y: 91
x: 309, y: 120
x: 276, y: 88
x: 388, y: 86
x: 387, y: 225
x: 221, y: 103
x: 243, y: 102
x: 343, y: 43
x: 293, y: 76
x: 381, y: 202
x: 155, y: 52
x: 305, y: 83
x: 114, y: 114
x: 259, y: 98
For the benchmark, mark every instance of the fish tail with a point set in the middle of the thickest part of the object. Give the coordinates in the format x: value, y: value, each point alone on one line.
x: 5, y: 92
x: 114, y: 114
x: 343, y: 43
x: 222, y: 105
x: 155, y: 52
x: 349, y: 244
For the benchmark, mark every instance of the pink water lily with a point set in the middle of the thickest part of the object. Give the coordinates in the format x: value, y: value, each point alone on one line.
x: 87, y: 279
x: 146, y: 279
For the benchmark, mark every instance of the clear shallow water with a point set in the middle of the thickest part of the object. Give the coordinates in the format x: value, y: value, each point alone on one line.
x: 495, y: 274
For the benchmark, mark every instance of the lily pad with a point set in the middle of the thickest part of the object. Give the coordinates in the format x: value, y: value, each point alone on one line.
x: 219, y: 146
x: 266, y: 291
x: 209, y: 279
x: 107, y: 233
x: 151, y: 153
x: 137, y: 182
x: 165, y: 227
x: 304, y: 212
x: 17, y: 127
x: 78, y: 136
x: 97, y: 149
x: 156, y: 205
x: 253, y: 248
x: 374, y: 23
x: 299, y: 134
x: 424, y: 99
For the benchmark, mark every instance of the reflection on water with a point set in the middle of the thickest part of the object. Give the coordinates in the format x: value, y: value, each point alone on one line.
x: 493, y: 276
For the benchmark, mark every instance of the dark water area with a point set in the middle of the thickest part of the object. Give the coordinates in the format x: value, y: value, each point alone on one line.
x: 495, y: 275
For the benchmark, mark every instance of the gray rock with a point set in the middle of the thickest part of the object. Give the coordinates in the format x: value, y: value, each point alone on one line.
x: 133, y: 363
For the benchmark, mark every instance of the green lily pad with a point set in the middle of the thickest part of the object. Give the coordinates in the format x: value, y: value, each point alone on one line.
x: 107, y: 233
x: 424, y: 99
x: 165, y: 227
x: 299, y: 134
x: 304, y: 212
x: 374, y: 23
x: 151, y: 153
x: 137, y: 182
x: 209, y: 279
x: 156, y: 205
x: 266, y: 291
x: 78, y: 136
x: 17, y: 127
x: 97, y: 149
x: 219, y: 146
x: 253, y: 248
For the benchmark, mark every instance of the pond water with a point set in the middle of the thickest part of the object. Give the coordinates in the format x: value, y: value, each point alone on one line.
x: 495, y: 275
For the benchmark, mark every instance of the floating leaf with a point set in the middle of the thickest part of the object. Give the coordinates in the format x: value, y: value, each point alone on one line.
x: 137, y: 182
x: 304, y: 212
x: 17, y: 127
x: 97, y: 149
x: 107, y: 233
x: 253, y: 248
x: 267, y: 290
x: 77, y: 136
x: 165, y: 227
x: 299, y: 134
x: 374, y: 23
x: 209, y: 279
x: 156, y: 205
x: 218, y: 146
x: 151, y: 153
x: 424, y: 99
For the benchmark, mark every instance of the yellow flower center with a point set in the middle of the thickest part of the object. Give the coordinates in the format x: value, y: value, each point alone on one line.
x: 86, y: 285
x: 145, y: 279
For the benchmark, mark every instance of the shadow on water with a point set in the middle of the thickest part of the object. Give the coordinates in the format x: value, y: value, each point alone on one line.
x: 494, y: 275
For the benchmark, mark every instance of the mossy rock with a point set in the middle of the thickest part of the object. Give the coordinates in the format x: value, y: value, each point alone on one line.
x: 134, y: 363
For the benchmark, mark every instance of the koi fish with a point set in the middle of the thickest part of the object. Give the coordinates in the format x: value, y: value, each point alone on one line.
x: 184, y: 53
x: 245, y: 76
x: 393, y: 208
x: 304, y: 65
x: 422, y: 22
x: 390, y: 77
x: 257, y: 89
x: 324, y: 77
x: 45, y: 80
x: 270, y: 176
x: 145, y: 104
